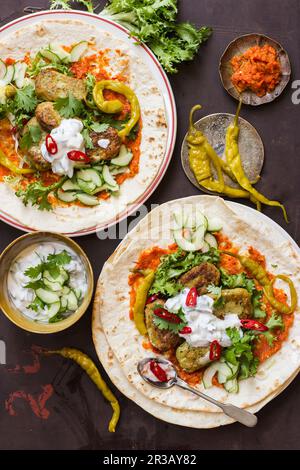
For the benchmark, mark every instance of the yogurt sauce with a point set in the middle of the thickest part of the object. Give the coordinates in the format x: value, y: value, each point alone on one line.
x: 206, y: 327
x: 31, y: 256
x: 67, y: 137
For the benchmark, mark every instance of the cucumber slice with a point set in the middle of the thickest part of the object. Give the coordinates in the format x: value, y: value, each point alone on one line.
x: 186, y: 245
x: 104, y: 187
x: 63, y: 303
x: 72, y: 301
x: 66, y: 196
x: 61, y: 279
x: 3, y: 69
x: 208, y: 375
x: 196, y: 220
x: 179, y: 219
x: 90, y: 175
x: 231, y: 386
x: 205, y: 247
x: 54, y: 286
x: 19, y: 76
x: 8, y: 77
x: 69, y: 185
x: 50, y: 55
x: 63, y: 55
x: 65, y: 290
x: 78, y: 50
x: 78, y: 293
x: 117, y: 171
x: 214, y: 225
x: 53, y: 309
x: 108, y: 178
x: 86, y: 186
x: 87, y: 200
x: 224, y: 372
x: 124, y: 158
x: 47, y: 296
x: 211, y: 240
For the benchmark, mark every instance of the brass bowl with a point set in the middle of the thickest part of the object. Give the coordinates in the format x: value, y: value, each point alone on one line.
x: 239, y: 46
x: 6, y: 259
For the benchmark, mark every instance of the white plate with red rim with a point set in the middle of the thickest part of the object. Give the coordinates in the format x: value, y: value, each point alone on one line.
x: 162, y: 81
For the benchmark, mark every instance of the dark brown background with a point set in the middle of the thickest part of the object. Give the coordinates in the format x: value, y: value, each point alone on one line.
x: 78, y: 414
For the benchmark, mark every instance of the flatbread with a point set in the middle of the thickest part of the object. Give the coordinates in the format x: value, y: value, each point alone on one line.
x: 126, y: 342
x: 154, y: 132
x: 192, y: 419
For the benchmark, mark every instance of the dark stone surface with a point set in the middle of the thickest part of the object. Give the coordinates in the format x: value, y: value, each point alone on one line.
x: 78, y: 414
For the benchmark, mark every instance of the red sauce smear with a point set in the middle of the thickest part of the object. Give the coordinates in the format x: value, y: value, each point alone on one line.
x: 37, y: 405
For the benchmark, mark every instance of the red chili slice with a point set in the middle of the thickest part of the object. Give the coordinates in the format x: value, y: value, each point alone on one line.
x: 186, y: 330
x: 51, y: 145
x: 78, y: 156
x: 215, y: 350
x: 151, y: 299
x: 165, y: 315
x: 191, y: 298
x: 253, y: 325
x: 158, y: 371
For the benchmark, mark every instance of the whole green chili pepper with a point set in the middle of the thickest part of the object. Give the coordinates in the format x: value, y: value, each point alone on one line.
x: 90, y: 368
x: 234, y: 161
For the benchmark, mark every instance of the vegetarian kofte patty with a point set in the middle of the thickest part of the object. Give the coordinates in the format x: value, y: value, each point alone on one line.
x: 34, y: 153
x: 51, y: 85
x: 106, y: 144
x: 236, y: 301
x: 200, y: 277
x: 192, y: 359
x: 160, y: 339
x: 47, y: 115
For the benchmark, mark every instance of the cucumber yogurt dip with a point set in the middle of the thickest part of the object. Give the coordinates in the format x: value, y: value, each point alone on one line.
x: 47, y: 282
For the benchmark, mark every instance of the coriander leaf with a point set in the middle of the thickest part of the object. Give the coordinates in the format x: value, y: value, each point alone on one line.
x: 269, y: 337
x: 69, y: 106
x: 36, y: 305
x: 35, y: 285
x: 216, y: 291
x: 53, y: 269
x: 37, y: 194
x: 34, y: 271
x: 257, y: 304
x: 32, y: 136
x: 56, y: 318
x: 134, y: 132
x: 240, y: 353
x: 275, y: 321
x: 61, y: 258
x: 99, y: 127
x: 88, y: 143
x: 25, y: 99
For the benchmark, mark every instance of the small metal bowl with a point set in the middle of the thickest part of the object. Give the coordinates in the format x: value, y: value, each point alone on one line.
x: 6, y: 259
x: 239, y: 46
x: 214, y: 127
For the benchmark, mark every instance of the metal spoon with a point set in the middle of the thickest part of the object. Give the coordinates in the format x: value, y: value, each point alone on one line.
x: 240, y: 415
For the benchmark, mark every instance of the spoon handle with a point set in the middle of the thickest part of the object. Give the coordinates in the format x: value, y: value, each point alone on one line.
x: 240, y: 415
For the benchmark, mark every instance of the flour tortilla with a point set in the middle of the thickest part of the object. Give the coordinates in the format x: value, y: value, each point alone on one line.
x: 126, y: 342
x: 154, y: 132
x: 192, y: 419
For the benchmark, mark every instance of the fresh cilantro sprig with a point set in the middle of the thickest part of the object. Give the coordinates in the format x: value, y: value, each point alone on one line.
x: 22, y: 105
x: 258, y: 312
x: 69, y: 107
x: 240, y: 353
x: 52, y: 264
x: 216, y: 291
x: 275, y: 322
x: 37, y: 194
x: 32, y: 136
